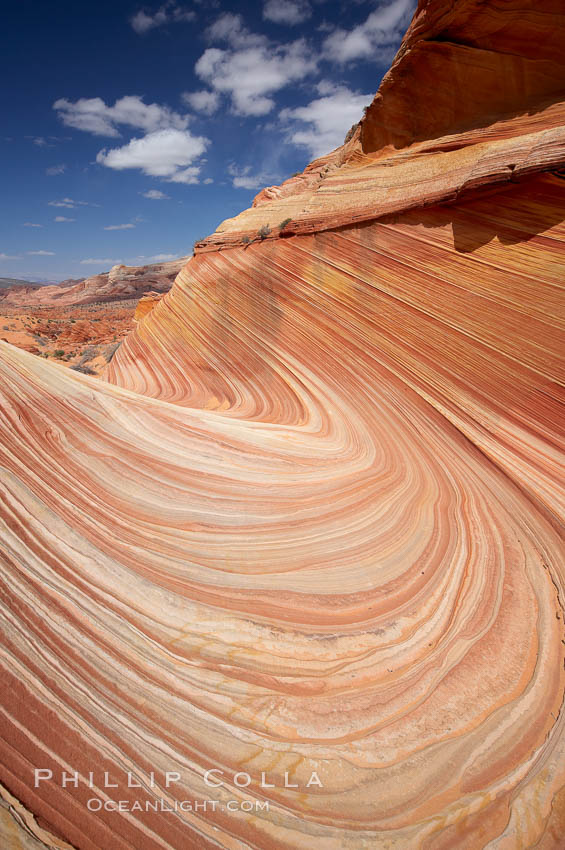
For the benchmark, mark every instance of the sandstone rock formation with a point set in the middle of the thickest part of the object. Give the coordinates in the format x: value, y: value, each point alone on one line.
x: 119, y: 284
x: 312, y: 523
x: 76, y: 322
x: 11, y: 282
x: 473, y: 99
x: 146, y: 304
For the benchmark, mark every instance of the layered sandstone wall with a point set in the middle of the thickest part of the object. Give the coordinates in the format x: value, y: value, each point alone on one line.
x: 494, y: 61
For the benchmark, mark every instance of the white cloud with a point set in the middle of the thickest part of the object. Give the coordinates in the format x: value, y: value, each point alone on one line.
x: 31, y: 224
x: 179, y: 14
x: 229, y: 27
x: 60, y: 218
x: 40, y: 142
x: 142, y: 23
x: 53, y: 170
x: 93, y: 116
x: 170, y: 12
x: 376, y: 39
x: 243, y: 179
x: 202, y: 101
x: 41, y: 253
x: 165, y: 153
x: 326, y: 87
x: 251, y: 68
x: 287, y: 11
x: 120, y: 227
x: 208, y: 181
x: 167, y: 150
x: 187, y: 175
x: 70, y: 203
x: 92, y: 262
x: 9, y: 257
x: 327, y: 120
x: 161, y: 258
x: 155, y: 195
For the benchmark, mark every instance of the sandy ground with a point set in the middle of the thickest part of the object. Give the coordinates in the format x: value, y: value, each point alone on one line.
x: 80, y: 337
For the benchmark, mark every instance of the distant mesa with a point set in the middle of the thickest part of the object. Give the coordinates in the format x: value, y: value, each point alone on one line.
x: 9, y: 282
x: 79, y: 323
x: 119, y: 284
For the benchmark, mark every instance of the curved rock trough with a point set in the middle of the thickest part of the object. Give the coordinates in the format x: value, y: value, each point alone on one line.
x: 308, y: 533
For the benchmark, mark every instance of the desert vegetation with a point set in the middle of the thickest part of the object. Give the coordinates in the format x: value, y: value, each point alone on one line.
x: 81, y: 337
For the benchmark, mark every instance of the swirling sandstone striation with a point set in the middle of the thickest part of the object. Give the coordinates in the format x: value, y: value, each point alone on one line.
x: 312, y: 522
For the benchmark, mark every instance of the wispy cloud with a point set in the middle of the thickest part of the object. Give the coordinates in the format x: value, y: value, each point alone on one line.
x: 242, y: 178
x: 9, y: 257
x: 71, y: 204
x: 155, y: 195
x: 60, y: 218
x: 155, y: 258
x: 95, y: 262
x: 120, y: 226
x: 204, y: 101
x: 165, y: 153
x: 375, y: 39
x: 188, y: 176
x: 288, y: 12
x: 31, y: 224
x: 142, y: 22
x: 41, y: 253
x: 93, y: 115
x: 322, y: 124
x: 53, y: 170
x: 46, y: 141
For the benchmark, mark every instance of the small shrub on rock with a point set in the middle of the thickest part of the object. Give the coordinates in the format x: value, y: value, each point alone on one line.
x: 85, y: 370
x: 110, y: 350
x: 89, y: 353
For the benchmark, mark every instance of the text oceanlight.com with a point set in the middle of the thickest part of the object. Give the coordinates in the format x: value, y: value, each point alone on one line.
x: 95, y: 804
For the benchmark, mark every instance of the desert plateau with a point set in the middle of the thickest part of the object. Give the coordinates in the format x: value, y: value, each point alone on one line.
x: 81, y: 323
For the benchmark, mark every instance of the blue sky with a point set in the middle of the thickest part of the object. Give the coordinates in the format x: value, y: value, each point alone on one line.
x: 130, y: 130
